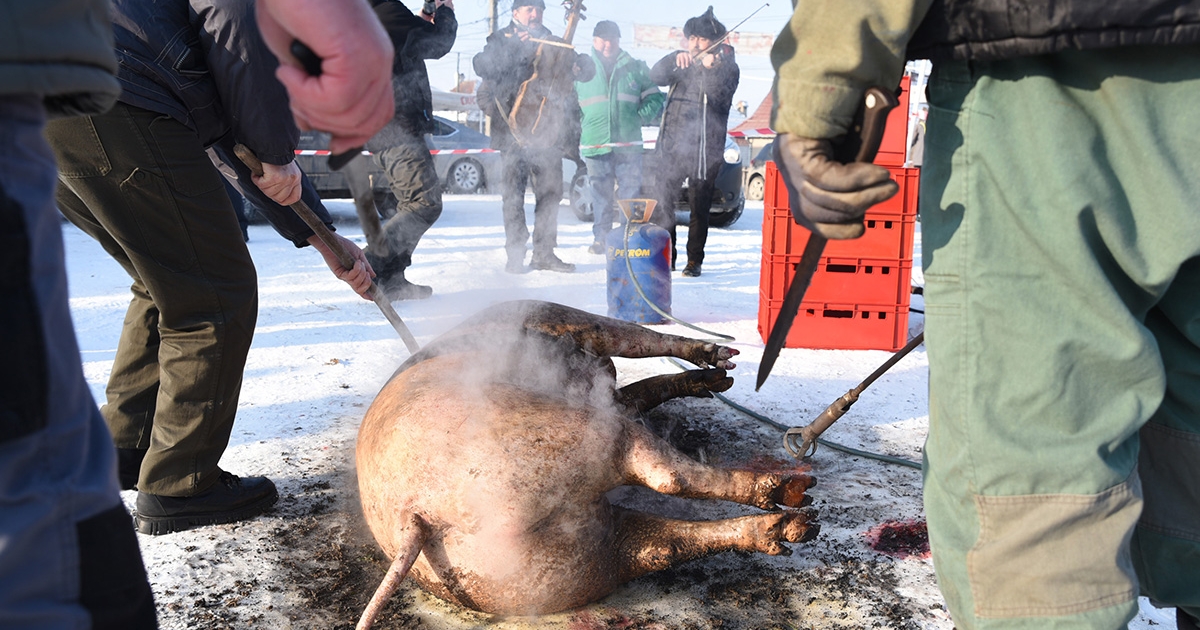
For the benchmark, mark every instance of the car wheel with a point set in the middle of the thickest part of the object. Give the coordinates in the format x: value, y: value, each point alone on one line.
x: 728, y: 217
x: 465, y: 177
x: 581, y: 200
x: 755, y: 187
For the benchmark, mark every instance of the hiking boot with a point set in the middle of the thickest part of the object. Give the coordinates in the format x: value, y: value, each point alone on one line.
x: 401, y: 289
x: 129, y: 466
x: 231, y: 499
x: 596, y: 248
x: 550, y: 262
x: 692, y: 270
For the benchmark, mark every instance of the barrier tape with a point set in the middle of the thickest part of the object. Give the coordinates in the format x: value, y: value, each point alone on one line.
x: 432, y: 151
x: 648, y: 143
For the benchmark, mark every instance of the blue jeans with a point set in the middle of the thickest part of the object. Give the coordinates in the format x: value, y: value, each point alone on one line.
x: 68, y: 554
x: 623, y: 169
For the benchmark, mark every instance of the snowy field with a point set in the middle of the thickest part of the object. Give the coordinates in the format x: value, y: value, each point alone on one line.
x: 320, y: 354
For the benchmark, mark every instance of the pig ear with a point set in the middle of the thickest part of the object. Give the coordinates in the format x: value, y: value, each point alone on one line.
x: 411, y: 536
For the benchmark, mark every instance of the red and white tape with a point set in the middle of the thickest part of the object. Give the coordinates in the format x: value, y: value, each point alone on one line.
x: 432, y: 151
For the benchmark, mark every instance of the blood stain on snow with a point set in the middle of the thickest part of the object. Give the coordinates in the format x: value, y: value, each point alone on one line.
x: 900, y: 539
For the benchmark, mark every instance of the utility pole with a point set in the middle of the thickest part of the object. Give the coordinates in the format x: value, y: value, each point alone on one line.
x: 492, y: 14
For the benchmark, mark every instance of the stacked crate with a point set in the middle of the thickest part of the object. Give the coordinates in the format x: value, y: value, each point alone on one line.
x: 859, y: 295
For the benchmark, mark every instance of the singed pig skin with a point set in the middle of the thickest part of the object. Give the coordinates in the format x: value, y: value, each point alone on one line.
x: 507, y: 463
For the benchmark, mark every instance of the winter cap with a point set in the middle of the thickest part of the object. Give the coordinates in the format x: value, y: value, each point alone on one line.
x: 606, y: 29
x: 705, y: 26
x: 517, y: 4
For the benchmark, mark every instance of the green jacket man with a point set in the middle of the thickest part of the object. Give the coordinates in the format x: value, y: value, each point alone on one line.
x: 616, y: 103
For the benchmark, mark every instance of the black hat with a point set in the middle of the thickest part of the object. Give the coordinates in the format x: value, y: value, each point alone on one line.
x: 705, y: 26
x: 606, y: 29
x: 517, y: 4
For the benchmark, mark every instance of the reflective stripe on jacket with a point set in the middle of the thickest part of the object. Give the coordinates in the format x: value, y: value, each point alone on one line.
x: 616, y: 107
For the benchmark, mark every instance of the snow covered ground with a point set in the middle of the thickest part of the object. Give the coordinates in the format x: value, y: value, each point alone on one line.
x: 320, y: 354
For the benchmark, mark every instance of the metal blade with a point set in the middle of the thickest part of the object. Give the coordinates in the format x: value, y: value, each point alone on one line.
x: 791, y: 304
x: 858, y: 146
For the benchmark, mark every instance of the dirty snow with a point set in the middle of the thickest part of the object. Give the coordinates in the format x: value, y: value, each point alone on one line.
x: 320, y: 354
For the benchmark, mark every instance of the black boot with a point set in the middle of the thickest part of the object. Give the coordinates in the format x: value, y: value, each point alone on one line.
x: 231, y: 499
x: 692, y: 270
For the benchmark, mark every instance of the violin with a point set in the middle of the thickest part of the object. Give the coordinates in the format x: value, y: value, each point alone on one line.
x: 552, y: 80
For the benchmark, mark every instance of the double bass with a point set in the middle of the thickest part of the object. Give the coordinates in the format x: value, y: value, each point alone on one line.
x: 552, y: 80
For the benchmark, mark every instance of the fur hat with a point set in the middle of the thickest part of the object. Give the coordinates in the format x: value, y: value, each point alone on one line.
x: 706, y: 26
x: 517, y: 4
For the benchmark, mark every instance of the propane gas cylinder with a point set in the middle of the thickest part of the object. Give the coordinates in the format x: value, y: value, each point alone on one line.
x: 643, y: 249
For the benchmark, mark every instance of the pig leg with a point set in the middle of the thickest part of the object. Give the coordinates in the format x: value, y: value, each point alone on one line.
x: 410, y: 538
x: 607, y: 337
x: 651, y: 462
x: 652, y: 392
x: 647, y: 543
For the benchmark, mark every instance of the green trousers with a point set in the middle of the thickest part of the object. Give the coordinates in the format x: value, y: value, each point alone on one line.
x: 141, y: 184
x: 1060, y: 213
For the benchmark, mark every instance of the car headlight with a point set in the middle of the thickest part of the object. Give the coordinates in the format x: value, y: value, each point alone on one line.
x: 732, y: 155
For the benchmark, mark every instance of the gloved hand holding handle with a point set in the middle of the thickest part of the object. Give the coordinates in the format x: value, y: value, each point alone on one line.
x: 830, y: 188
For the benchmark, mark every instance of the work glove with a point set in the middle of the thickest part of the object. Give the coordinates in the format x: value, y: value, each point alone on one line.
x: 828, y: 196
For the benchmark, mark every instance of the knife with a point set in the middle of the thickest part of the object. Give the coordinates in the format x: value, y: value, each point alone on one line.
x: 859, y: 145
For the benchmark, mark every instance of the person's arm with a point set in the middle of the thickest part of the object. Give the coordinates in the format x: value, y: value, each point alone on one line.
x: 666, y: 71
x: 254, y: 104
x: 584, y: 69
x: 352, y: 97
x: 359, y: 277
x: 653, y: 99
x: 830, y: 53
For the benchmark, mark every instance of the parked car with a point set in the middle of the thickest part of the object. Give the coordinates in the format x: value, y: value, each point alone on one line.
x: 728, y: 201
x: 460, y: 173
x: 756, y: 181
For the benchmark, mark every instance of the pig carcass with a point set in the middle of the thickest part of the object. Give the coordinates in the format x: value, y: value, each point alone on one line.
x: 484, y: 462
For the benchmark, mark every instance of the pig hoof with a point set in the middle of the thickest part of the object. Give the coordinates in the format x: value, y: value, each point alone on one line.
x: 787, y: 526
x: 713, y: 355
x: 800, y: 525
x: 713, y: 380
x: 790, y: 491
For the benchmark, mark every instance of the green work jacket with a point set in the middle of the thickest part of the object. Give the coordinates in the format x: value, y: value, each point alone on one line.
x: 616, y: 107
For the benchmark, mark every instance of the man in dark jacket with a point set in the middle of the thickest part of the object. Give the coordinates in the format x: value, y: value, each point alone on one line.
x: 691, y: 143
x: 506, y: 62
x: 400, y: 147
x: 139, y: 180
x: 1061, y: 239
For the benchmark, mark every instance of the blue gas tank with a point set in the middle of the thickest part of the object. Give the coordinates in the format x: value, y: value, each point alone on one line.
x: 648, y: 251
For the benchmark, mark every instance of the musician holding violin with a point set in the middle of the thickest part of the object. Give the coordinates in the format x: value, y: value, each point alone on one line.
x: 691, y: 142
x: 528, y: 90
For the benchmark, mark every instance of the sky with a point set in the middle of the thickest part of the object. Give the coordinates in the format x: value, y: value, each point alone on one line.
x: 756, y: 70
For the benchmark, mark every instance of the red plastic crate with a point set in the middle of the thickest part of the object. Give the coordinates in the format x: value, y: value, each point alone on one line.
x: 832, y: 326
x: 886, y: 236
x: 842, y: 280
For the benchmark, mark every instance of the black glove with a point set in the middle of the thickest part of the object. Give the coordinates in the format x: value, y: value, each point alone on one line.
x: 828, y: 196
